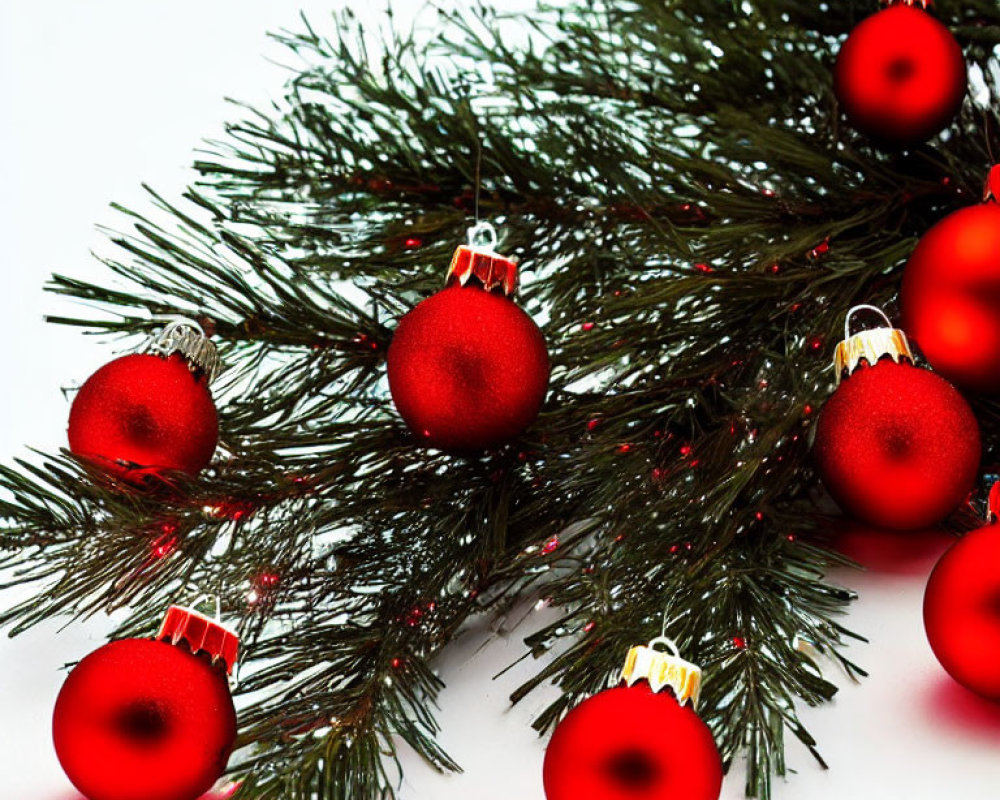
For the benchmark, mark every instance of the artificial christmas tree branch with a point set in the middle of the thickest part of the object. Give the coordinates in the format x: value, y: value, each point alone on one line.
x: 692, y: 221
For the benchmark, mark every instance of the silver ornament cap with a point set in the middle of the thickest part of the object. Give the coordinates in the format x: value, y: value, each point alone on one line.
x: 187, y: 338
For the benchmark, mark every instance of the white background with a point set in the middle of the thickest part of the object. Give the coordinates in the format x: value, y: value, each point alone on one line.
x: 98, y: 96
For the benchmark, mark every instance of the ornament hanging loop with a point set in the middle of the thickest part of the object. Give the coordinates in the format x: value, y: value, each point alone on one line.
x: 863, y: 307
x: 205, y: 598
x: 869, y: 345
x: 188, y: 338
x: 667, y: 642
x: 483, y: 237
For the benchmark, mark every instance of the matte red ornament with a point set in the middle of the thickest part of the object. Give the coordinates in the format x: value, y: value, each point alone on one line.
x: 143, y: 414
x: 900, y: 76
x: 950, y: 293
x: 468, y: 368
x: 142, y: 719
x: 962, y: 610
x: 638, y: 741
x: 896, y: 445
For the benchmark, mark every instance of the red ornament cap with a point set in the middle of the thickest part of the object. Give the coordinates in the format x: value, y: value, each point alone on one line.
x: 991, y: 191
x: 203, y: 635
x: 481, y: 261
x: 187, y: 337
x: 661, y: 670
x: 870, y: 345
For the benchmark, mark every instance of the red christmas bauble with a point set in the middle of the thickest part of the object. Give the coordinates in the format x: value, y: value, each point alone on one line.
x: 900, y: 75
x: 632, y: 742
x: 142, y: 414
x: 951, y: 297
x: 897, y: 446
x: 962, y: 611
x: 140, y: 719
x: 468, y: 369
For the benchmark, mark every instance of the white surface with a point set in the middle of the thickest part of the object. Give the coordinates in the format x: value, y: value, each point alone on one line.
x: 98, y: 96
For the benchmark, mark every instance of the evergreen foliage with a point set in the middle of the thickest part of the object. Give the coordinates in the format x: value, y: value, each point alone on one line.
x: 692, y: 220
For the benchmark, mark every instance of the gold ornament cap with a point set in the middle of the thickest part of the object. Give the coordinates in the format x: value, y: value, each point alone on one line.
x: 188, y: 338
x: 870, y: 345
x: 662, y: 669
x: 478, y: 259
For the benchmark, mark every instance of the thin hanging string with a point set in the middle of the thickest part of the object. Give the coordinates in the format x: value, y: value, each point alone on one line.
x: 863, y: 307
x: 663, y: 639
x: 482, y: 235
x: 988, y: 133
x: 479, y: 175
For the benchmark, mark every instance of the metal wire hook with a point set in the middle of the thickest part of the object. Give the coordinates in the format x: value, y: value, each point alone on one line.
x: 483, y: 229
x: 202, y: 598
x: 667, y: 642
x: 863, y: 307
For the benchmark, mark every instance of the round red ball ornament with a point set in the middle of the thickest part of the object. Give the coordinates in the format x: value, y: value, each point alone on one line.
x: 950, y: 290
x: 896, y: 445
x: 900, y: 76
x: 142, y: 719
x: 641, y: 740
x: 962, y: 609
x: 468, y: 368
x: 148, y: 413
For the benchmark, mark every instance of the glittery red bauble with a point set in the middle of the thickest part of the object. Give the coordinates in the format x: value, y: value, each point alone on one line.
x: 897, y: 446
x: 144, y: 413
x: 139, y: 719
x: 951, y: 297
x: 962, y: 611
x: 630, y: 743
x: 900, y: 76
x: 468, y: 369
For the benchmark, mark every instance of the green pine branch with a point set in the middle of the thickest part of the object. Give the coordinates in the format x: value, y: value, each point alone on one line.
x: 692, y: 221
